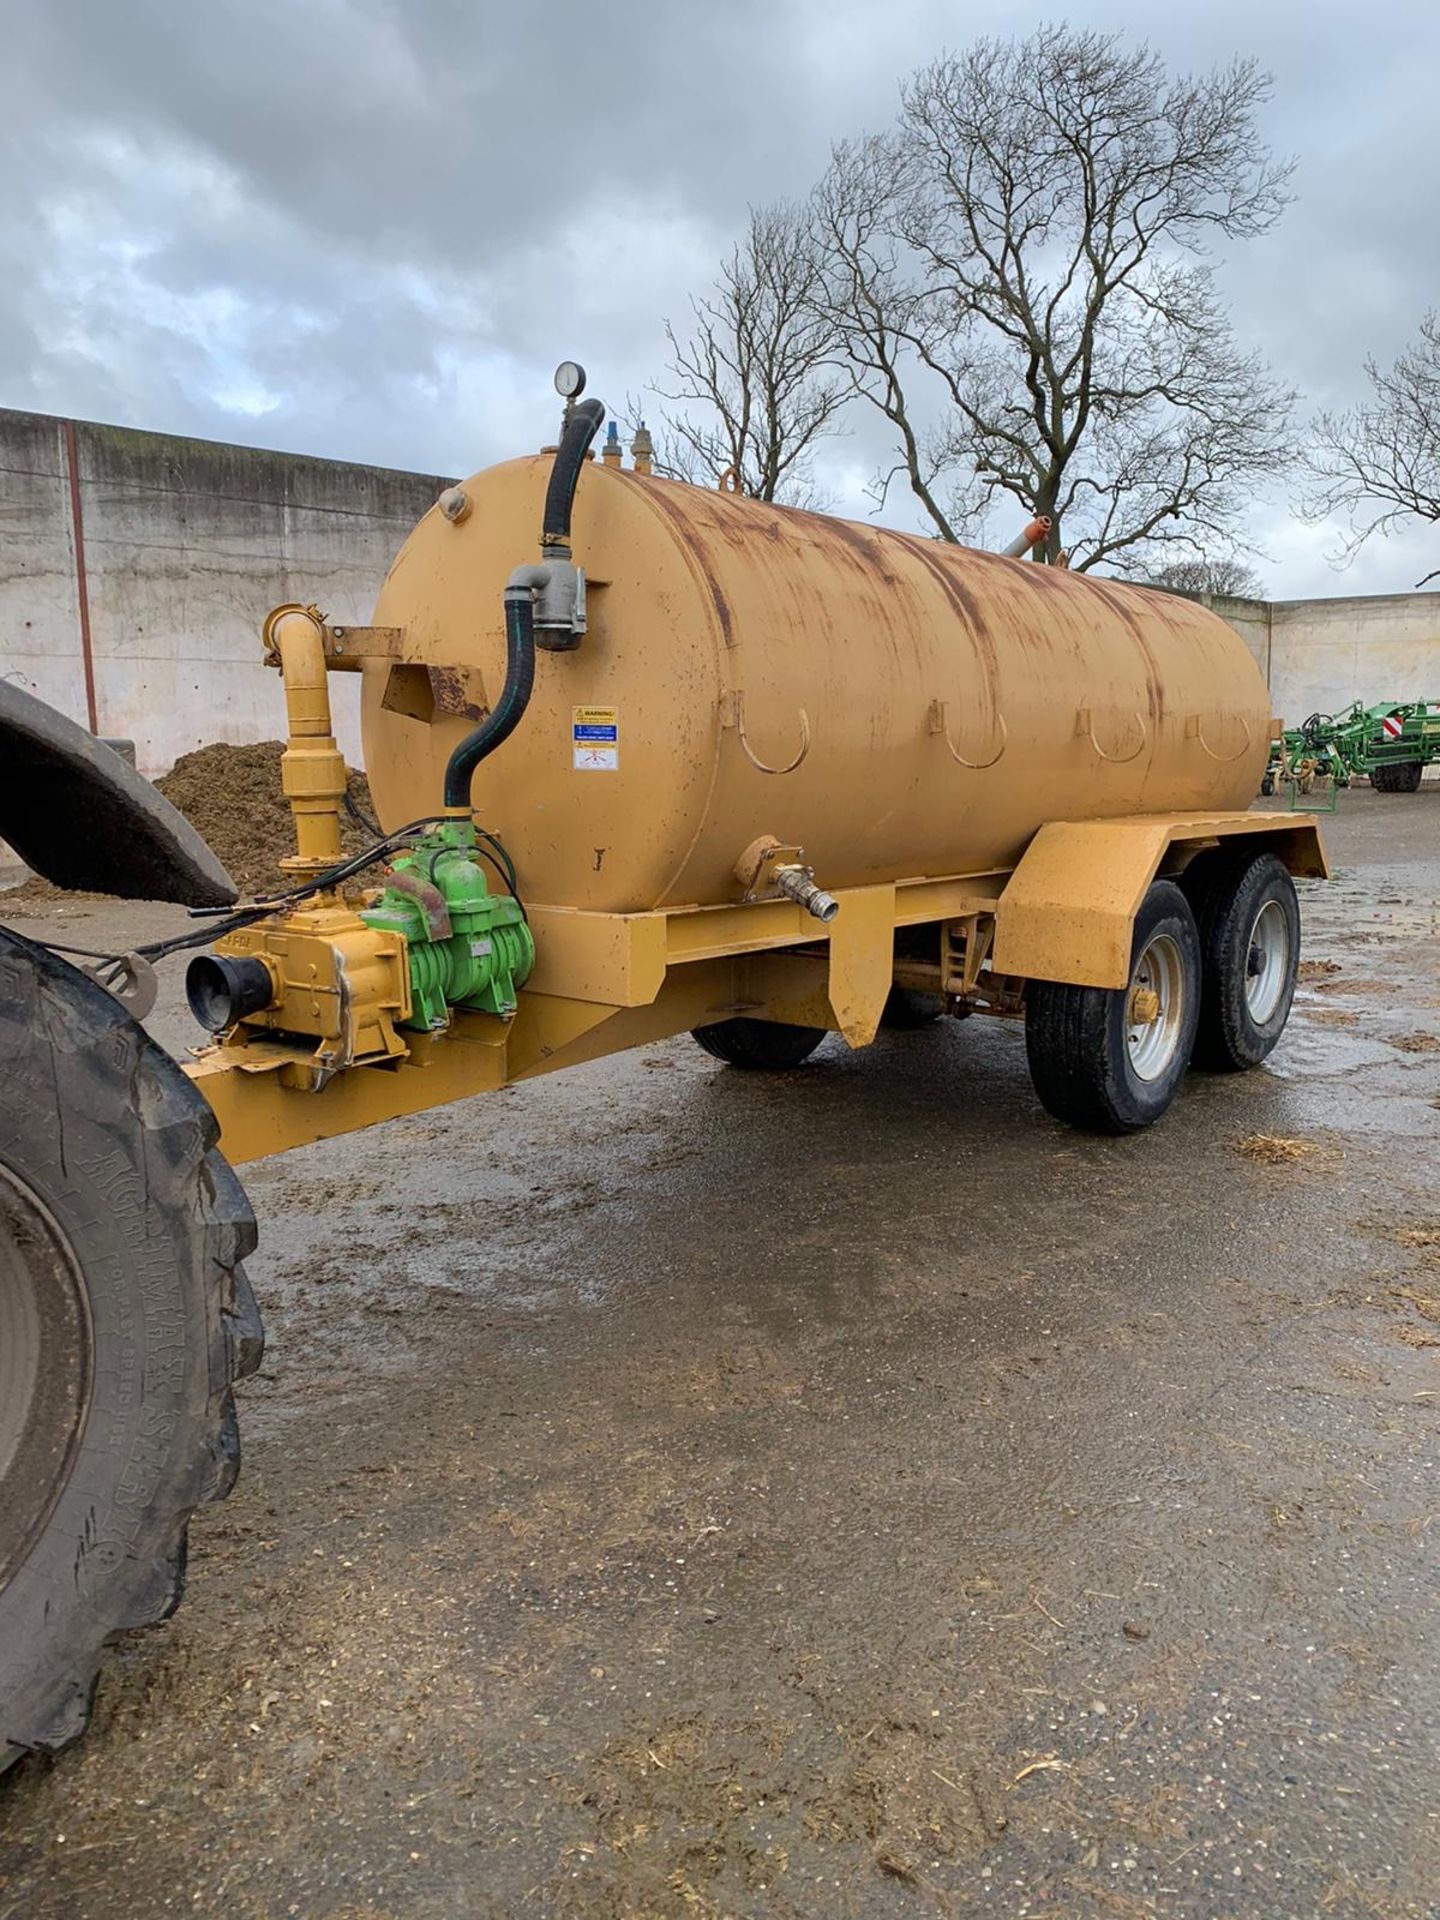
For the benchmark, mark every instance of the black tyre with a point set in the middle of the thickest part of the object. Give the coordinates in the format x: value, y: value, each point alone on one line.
x: 1110, y: 1060
x: 1249, y: 923
x: 1267, y: 785
x: 759, y: 1045
x: 1397, y: 776
x: 907, y: 1011
x: 125, y: 1318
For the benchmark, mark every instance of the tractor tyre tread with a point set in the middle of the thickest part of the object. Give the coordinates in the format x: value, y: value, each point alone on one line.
x: 116, y: 1139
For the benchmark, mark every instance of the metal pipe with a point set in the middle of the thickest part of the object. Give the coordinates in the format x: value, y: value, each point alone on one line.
x: 1038, y: 530
x: 798, y: 884
x: 312, y: 768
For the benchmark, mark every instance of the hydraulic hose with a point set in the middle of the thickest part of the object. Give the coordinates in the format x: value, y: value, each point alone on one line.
x: 581, y: 427
x: 509, y: 709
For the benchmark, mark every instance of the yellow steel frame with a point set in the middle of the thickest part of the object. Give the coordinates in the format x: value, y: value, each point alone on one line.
x: 605, y: 982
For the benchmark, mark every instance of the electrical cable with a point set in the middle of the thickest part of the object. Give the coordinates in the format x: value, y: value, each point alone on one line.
x: 362, y: 819
x: 509, y: 882
x: 262, y: 908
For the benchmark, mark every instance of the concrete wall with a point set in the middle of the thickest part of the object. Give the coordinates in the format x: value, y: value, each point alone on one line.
x: 179, y: 549
x: 1326, y: 653
x: 1318, y: 656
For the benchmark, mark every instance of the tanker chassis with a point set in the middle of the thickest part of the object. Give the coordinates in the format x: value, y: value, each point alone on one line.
x: 763, y: 776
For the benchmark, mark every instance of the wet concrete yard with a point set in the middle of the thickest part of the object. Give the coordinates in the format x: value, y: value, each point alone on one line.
x: 677, y: 1492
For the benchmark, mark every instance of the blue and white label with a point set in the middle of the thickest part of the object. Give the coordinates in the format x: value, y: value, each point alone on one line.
x: 595, y: 739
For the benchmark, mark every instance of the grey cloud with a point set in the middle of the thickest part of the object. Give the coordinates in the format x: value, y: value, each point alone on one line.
x: 369, y: 227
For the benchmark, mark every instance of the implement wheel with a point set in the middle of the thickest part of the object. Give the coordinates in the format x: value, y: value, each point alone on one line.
x: 1397, y: 776
x: 1110, y: 1060
x: 1249, y: 921
x: 125, y: 1318
x: 759, y: 1045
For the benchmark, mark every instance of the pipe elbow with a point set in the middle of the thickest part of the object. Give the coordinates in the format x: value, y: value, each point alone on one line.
x: 294, y: 641
x: 527, y: 580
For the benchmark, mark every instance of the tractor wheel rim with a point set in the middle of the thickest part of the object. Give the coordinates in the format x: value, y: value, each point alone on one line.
x: 1151, y: 1043
x: 1267, y: 962
x: 45, y: 1367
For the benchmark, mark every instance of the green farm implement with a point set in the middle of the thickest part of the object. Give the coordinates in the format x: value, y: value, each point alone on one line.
x: 1390, y: 744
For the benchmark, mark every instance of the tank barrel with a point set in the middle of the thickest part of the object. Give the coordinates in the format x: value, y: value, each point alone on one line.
x: 891, y: 705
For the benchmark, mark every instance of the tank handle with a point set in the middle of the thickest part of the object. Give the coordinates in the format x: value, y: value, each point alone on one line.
x: 729, y: 481
x: 938, y: 725
x: 732, y: 714
x: 1085, y: 729
x: 1195, y: 730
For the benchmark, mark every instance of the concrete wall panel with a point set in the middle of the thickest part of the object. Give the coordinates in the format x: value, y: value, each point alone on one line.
x: 1328, y: 653
x: 187, y: 545
x: 39, y: 608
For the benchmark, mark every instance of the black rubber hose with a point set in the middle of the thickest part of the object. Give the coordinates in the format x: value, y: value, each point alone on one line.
x: 509, y: 709
x: 585, y: 421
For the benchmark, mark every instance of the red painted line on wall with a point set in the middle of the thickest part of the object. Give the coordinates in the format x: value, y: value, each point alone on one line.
x: 82, y: 590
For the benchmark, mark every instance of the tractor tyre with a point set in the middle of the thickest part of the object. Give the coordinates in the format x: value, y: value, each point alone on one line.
x: 759, y: 1045
x: 1111, y: 1060
x: 1397, y: 776
x: 125, y: 1320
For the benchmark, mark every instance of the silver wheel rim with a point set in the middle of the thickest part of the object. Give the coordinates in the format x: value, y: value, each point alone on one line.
x: 1155, y: 1008
x: 1267, y: 962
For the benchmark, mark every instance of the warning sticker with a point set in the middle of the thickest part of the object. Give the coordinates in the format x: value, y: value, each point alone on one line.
x: 595, y: 737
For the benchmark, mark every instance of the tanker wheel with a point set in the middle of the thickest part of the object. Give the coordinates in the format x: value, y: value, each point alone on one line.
x: 1397, y: 776
x: 1249, y: 921
x: 1110, y: 1060
x: 125, y: 1318
x: 906, y: 1011
x: 759, y: 1045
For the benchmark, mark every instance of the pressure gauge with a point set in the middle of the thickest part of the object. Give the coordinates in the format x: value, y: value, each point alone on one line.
x: 569, y: 379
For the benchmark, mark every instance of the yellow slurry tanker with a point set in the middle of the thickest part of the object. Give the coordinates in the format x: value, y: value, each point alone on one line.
x: 648, y: 759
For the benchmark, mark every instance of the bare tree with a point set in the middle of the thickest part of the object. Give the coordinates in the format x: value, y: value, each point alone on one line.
x: 877, y: 316
x: 1379, y: 464
x: 1207, y: 573
x: 756, y: 363
x: 1032, y: 237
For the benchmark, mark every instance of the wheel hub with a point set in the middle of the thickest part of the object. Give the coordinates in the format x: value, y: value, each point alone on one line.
x: 1267, y: 962
x: 45, y: 1367
x: 1155, y: 1008
x: 1144, y: 1006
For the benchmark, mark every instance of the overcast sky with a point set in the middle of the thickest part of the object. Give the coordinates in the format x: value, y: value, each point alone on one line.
x: 369, y: 228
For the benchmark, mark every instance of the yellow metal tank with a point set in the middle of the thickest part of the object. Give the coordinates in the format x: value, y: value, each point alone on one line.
x: 895, y: 706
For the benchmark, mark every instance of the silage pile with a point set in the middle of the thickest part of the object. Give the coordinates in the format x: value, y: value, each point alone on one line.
x: 232, y: 798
